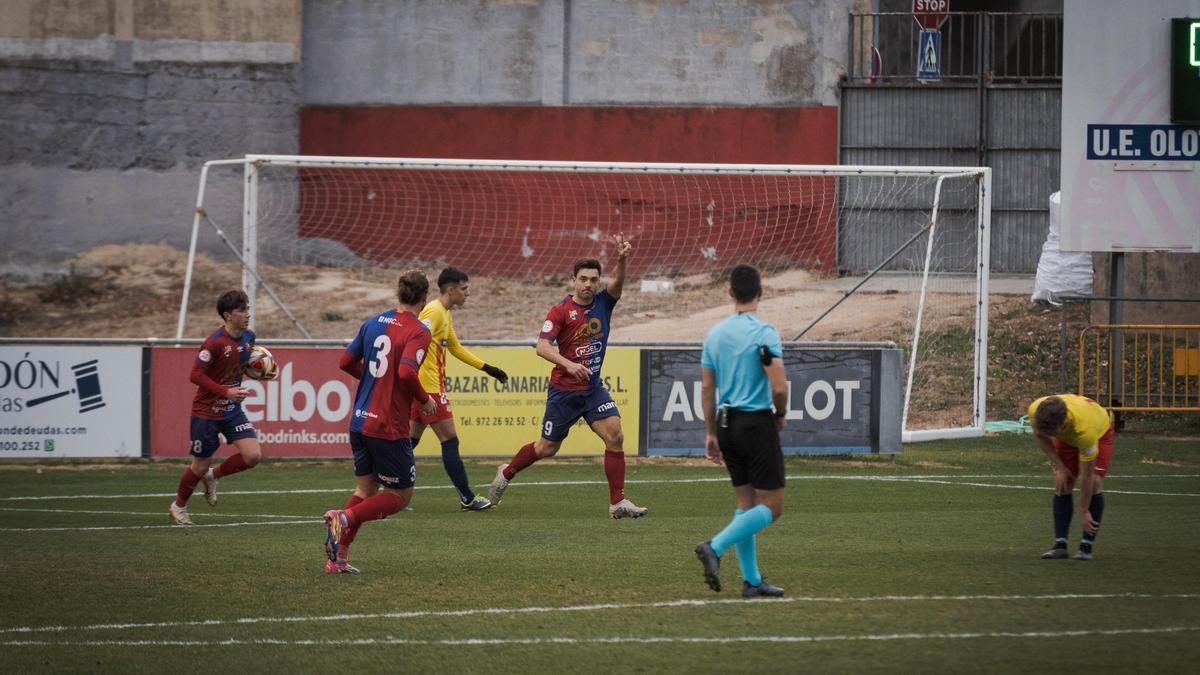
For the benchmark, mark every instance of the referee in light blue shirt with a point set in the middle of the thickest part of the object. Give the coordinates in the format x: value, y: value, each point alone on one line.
x: 743, y: 361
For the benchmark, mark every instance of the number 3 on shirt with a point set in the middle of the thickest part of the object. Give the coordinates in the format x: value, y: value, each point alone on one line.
x: 379, y: 364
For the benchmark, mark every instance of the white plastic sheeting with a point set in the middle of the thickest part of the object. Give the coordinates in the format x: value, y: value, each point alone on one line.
x: 1060, y: 273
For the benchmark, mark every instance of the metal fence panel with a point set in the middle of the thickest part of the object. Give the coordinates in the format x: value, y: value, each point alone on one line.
x: 1011, y: 65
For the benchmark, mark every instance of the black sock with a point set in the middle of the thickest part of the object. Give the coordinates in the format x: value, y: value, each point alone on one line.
x: 1096, y: 508
x: 1063, y: 505
x: 457, y: 471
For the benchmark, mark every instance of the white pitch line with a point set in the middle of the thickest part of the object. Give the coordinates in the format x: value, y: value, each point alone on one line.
x: 712, y: 479
x: 417, y: 614
x: 490, y: 642
x: 1035, y: 487
x: 147, y: 513
x: 158, y: 527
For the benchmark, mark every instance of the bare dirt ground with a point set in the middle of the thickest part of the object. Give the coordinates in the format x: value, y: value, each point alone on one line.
x: 135, y: 290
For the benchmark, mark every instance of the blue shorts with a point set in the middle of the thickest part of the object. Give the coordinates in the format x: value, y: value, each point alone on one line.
x: 390, y: 462
x: 564, y: 407
x: 204, y: 433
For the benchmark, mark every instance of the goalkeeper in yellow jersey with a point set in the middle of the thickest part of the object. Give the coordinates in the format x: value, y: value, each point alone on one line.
x: 1076, y: 434
x: 453, y: 290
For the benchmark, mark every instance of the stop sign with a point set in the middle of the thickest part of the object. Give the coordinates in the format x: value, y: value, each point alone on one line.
x: 930, y: 13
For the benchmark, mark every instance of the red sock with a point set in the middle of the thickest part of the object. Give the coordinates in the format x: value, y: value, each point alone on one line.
x: 378, y: 507
x: 232, y: 464
x: 614, y: 471
x: 520, y: 461
x: 350, y: 532
x: 187, y: 485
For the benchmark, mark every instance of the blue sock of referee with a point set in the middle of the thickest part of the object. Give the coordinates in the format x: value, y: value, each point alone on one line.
x: 456, y: 470
x: 747, y: 554
x: 743, y: 526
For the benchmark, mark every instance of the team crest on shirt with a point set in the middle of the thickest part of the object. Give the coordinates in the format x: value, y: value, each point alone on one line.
x: 574, y: 315
x: 445, y: 342
x: 228, y: 350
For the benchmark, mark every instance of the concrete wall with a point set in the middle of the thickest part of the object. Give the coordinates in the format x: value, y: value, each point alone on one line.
x: 556, y: 52
x: 1150, y: 275
x: 108, y: 108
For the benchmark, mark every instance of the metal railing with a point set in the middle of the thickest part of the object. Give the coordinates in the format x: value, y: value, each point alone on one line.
x: 1141, y: 367
x: 1016, y: 47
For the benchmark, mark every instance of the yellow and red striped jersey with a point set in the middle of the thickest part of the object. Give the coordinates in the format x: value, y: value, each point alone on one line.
x: 442, y: 339
x: 1087, y: 421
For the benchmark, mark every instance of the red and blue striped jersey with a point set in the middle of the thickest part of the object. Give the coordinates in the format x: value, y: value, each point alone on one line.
x: 222, y: 360
x: 582, y: 336
x: 392, y: 345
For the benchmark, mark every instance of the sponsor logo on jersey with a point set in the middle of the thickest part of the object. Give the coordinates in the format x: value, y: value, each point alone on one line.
x: 427, y: 322
x: 390, y: 320
x: 588, y: 349
x: 606, y: 406
x: 359, y: 412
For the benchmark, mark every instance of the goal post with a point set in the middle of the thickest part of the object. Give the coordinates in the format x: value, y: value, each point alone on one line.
x: 895, y: 253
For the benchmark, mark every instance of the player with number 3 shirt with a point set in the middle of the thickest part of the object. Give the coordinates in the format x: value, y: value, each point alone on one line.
x: 384, y: 357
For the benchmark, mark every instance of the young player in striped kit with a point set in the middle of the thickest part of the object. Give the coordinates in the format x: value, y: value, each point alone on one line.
x: 217, y: 406
x: 385, y: 356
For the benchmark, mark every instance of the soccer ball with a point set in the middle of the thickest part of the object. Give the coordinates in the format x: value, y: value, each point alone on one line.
x: 261, y: 365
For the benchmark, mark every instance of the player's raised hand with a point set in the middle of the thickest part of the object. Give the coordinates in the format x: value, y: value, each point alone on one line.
x: 623, y: 245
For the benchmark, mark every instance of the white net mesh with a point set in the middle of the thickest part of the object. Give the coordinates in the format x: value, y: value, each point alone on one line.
x: 329, y: 236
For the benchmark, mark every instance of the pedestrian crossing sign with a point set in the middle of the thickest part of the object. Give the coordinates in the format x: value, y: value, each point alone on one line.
x: 929, y: 56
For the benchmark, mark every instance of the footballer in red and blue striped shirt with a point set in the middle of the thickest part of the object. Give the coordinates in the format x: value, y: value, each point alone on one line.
x: 385, y: 356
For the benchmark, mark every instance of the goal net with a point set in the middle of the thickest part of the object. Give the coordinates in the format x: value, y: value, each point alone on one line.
x: 876, y: 253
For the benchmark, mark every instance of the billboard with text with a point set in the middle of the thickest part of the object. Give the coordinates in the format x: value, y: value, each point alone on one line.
x: 58, y: 401
x: 841, y: 401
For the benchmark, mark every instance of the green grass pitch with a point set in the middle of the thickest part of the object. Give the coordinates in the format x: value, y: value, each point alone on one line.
x: 926, y: 562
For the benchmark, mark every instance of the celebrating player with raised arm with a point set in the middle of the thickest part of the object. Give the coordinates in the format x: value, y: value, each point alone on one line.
x: 385, y: 357
x: 580, y: 325
x: 1076, y: 435
x: 217, y: 407
x: 454, y: 289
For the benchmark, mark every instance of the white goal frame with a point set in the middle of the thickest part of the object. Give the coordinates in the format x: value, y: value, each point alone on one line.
x: 251, y: 280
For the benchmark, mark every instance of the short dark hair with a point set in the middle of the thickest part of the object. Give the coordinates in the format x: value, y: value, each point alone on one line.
x: 451, y: 275
x: 412, y: 288
x: 231, y: 300
x: 586, y: 264
x: 1050, y: 416
x: 746, y: 283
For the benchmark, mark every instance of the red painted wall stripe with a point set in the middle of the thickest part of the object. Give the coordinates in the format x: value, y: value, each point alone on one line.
x: 526, y: 224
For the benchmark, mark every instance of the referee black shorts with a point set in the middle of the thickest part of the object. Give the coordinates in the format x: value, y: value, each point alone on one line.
x: 750, y: 445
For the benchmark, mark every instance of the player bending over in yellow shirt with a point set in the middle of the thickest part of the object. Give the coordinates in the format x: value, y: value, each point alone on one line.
x: 1076, y: 434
